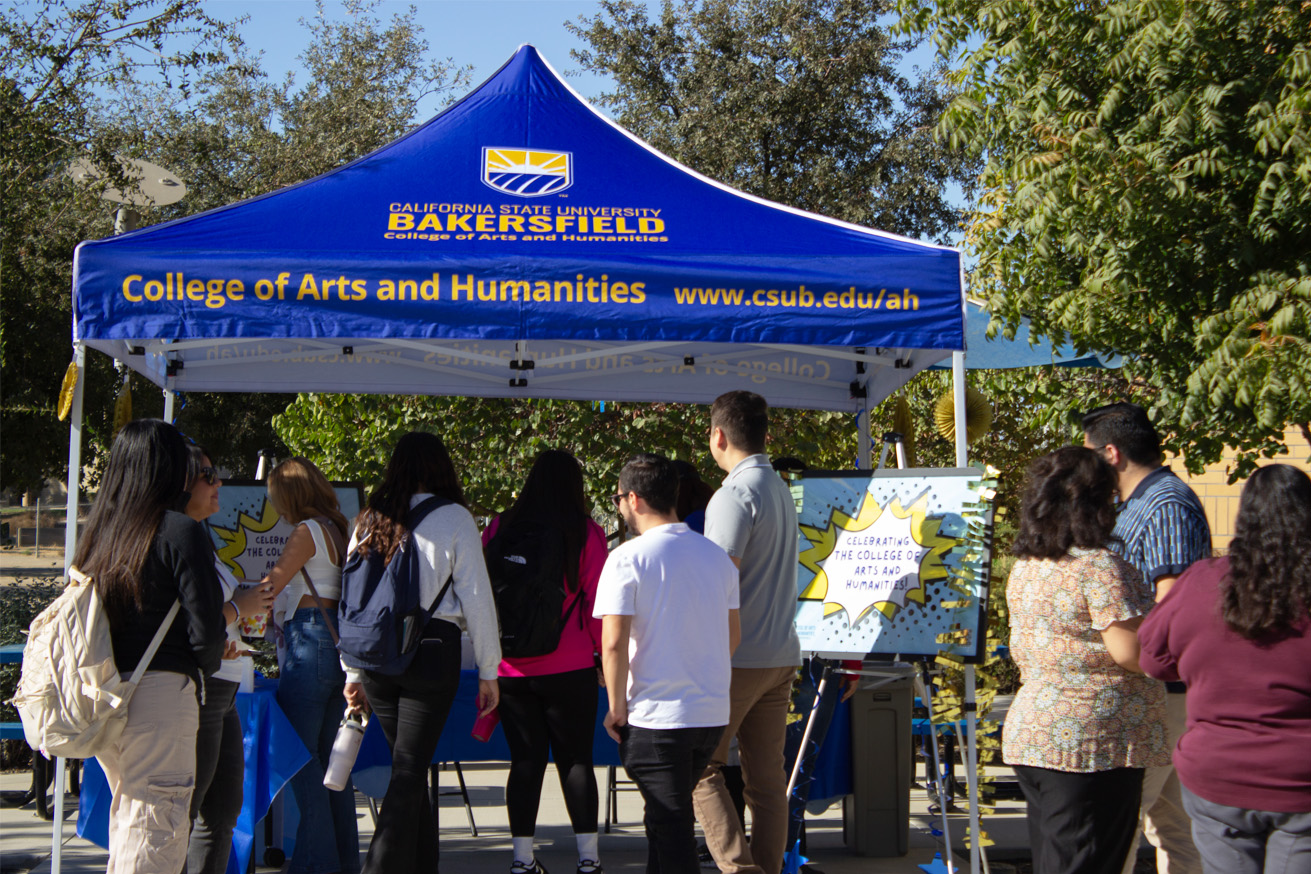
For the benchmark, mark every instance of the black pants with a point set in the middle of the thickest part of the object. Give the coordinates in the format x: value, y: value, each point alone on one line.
x: 555, y: 712
x: 1081, y: 823
x: 412, y: 709
x: 666, y: 765
x: 220, y: 772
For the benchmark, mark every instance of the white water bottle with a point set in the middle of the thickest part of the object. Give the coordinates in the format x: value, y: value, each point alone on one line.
x: 344, y: 750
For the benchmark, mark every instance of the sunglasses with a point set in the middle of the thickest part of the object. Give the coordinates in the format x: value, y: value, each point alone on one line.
x: 209, y: 475
x: 615, y: 499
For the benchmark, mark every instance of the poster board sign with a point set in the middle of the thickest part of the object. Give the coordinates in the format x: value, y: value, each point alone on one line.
x: 249, y: 534
x: 894, y: 562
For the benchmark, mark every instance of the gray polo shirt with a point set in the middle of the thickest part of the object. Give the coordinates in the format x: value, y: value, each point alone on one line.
x: 754, y: 518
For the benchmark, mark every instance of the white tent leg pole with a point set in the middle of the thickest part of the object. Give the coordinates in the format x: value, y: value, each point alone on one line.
x: 971, y: 772
x: 169, y: 397
x: 862, y: 435
x: 56, y: 848
x: 958, y: 396
x: 971, y: 740
x: 74, y: 460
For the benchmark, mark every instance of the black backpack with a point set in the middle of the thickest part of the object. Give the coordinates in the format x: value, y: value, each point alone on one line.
x: 380, y: 618
x: 526, y: 565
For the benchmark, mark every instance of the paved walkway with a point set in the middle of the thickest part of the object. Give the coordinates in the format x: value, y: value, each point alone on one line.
x: 23, y: 563
x: 25, y: 839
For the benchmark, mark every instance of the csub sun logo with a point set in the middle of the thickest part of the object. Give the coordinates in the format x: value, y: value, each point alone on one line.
x: 527, y: 172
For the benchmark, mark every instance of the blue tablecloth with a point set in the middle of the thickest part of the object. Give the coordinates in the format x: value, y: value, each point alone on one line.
x: 273, y: 754
x: 373, y: 765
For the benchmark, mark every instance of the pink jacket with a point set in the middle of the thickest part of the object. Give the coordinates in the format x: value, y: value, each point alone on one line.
x: 578, y: 646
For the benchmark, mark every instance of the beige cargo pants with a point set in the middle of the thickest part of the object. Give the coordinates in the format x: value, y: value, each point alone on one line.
x: 151, y: 771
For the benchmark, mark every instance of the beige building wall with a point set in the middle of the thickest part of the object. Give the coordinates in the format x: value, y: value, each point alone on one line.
x: 1221, y: 499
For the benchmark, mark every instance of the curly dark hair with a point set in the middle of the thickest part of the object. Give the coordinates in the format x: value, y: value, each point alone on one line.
x: 419, y: 463
x: 1066, y: 503
x: 1267, y: 590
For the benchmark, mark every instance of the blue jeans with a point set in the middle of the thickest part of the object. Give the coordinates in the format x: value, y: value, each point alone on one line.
x: 666, y: 765
x: 310, y: 693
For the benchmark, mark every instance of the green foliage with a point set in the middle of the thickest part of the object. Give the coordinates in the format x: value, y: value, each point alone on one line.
x: 1147, y: 191
x: 797, y: 102
x: 53, y: 57
x: 493, y: 441
x: 20, y: 602
x: 177, y: 88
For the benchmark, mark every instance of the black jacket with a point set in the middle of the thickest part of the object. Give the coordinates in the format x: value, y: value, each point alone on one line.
x: 180, y: 566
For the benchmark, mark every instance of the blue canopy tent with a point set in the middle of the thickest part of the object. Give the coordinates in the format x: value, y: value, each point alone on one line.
x: 520, y: 244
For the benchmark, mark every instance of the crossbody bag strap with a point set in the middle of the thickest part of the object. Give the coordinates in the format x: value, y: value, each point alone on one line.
x: 331, y: 531
x: 318, y: 602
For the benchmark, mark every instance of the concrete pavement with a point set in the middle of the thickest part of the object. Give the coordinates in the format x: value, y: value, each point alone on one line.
x: 25, y: 840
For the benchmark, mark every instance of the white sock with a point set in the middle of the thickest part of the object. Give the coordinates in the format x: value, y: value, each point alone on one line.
x: 587, y: 847
x: 523, y: 850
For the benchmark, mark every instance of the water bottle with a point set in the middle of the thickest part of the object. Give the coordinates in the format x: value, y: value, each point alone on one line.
x: 344, y: 750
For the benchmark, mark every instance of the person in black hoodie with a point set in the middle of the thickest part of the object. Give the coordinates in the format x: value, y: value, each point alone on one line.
x: 143, y: 555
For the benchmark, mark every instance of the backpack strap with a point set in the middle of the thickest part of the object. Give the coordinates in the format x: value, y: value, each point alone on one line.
x: 417, y: 514
x: 78, y: 578
x: 152, y: 649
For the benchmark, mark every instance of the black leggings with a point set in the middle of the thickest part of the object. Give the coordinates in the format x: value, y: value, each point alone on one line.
x: 559, y: 710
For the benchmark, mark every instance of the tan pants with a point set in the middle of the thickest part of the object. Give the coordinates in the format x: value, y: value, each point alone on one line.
x: 151, y: 771
x: 1163, y: 818
x: 758, y: 713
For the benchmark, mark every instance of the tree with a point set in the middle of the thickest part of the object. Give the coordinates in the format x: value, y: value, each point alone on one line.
x: 55, y: 57
x: 168, y: 83
x: 493, y: 441
x: 240, y: 135
x: 1147, y: 190
x: 797, y: 101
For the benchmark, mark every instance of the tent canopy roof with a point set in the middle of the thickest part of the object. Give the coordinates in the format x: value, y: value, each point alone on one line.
x: 521, y: 244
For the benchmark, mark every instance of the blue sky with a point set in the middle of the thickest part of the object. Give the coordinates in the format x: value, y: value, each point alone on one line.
x: 479, y: 33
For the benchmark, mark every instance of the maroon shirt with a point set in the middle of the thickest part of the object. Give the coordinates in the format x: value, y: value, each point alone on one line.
x: 1248, y: 742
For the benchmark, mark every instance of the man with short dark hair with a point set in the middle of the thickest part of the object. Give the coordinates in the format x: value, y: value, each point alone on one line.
x: 667, y: 601
x: 1161, y: 530
x: 754, y: 518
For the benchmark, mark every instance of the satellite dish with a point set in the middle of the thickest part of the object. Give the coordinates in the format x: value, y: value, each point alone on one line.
x: 155, y: 186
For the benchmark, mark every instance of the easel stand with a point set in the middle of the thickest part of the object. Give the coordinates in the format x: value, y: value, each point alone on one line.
x: 922, y: 689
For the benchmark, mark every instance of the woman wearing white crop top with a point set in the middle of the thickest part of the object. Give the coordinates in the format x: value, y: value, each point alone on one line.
x: 310, y: 683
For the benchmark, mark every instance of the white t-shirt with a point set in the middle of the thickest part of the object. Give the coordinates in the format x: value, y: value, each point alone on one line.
x: 678, y: 587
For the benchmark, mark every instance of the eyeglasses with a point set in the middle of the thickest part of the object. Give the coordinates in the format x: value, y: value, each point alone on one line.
x: 209, y: 475
x: 615, y: 499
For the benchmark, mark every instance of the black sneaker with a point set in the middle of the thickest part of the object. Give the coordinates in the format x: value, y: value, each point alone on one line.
x: 589, y: 866
x: 535, y: 868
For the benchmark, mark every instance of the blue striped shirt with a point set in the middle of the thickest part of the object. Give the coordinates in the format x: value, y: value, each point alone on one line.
x: 1162, y: 527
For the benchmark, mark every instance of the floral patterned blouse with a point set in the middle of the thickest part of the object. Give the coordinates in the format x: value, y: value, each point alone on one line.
x: 1078, y: 710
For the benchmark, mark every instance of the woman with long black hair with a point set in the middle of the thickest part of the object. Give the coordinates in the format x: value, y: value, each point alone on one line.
x: 144, y: 555
x: 1237, y: 630
x: 1085, y: 723
x: 412, y: 706
x: 549, y: 701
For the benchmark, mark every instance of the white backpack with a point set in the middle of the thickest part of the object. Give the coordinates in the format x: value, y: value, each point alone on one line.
x: 70, y: 697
